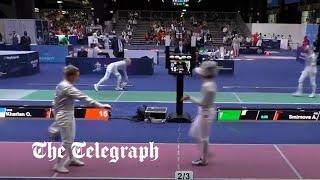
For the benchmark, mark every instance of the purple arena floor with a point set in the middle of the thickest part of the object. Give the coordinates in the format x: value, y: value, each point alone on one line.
x: 226, y: 161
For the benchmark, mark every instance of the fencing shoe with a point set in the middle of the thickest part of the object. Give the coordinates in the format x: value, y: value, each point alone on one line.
x: 297, y: 94
x: 75, y: 162
x: 200, y: 162
x: 312, y: 95
x: 96, y: 87
x: 60, y: 168
x: 119, y: 89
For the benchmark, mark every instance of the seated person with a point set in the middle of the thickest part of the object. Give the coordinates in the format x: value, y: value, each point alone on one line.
x: 64, y: 41
x: 96, y: 50
x: 82, y: 52
x: 53, y: 40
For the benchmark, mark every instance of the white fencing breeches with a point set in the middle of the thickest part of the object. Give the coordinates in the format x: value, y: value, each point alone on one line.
x: 312, y: 73
x: 66, y: 124
x: 236, y: 50
x: 110, y: 71
x: 200, y: 129
x: 259, y: 43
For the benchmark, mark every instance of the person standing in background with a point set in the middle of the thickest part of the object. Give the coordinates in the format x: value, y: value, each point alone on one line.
x: 259, y: 42
x: 236, y: 45
x: 118, y: 46
x: 305, y: 42
x: 15, y: 38
x: 255, y: 39
x: 181, y: 49
x: 316, y: 45
x: 310, y: 70
x: 25, y: 42
x: 290, y: 42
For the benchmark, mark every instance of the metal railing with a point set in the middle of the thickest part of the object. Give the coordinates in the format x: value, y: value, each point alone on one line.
x: 243, y: 26
x: 171, y: 15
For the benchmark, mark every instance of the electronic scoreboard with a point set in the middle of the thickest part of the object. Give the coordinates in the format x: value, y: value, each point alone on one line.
x: 47, y: 112
x: 179, y: 2
x: 268, y: 114
x: 180, y: 64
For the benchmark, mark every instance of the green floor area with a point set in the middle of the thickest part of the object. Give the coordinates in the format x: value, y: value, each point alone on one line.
x: 162, y: 96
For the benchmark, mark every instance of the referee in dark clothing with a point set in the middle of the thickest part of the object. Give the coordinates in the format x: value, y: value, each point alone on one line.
x: 25, y: 42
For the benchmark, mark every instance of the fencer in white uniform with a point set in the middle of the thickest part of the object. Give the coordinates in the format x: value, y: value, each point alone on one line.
x: 63, y: 107
x: 114, y: 68
x: 200, y: 128
x: 236, y: 45
x: 310, y: 70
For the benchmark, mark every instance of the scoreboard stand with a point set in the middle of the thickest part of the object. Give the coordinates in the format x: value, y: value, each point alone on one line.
x: 179, y: 65
x: 179, y: 115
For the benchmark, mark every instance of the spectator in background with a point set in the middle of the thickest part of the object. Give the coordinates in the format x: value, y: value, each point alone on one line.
x: 316, y: 45
x: 82, y: 52
x: 96, y: 51
x: 15, y: 38
x: 118, y: 46
x: 259, y: 40
x: 129, y: 34
x: 180, y: 48
x: 248, y: 42
x: 53, y: 40
x: 254, y: 39
x: 289, y: 42
x: 106, y: 41
x: 95, y: 39
x: 305, y: 42
x: 25, y: 42
x: 64, y: 41
x: 236, y: 45
x: 40, y: 40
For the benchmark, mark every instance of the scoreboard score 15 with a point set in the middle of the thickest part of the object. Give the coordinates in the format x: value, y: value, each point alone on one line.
x: 180, y: 64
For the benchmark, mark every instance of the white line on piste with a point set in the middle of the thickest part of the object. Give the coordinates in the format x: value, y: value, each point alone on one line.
x: 121, y: 143
x: 222, y: 102
x: 55, y: 174
x: 261, y: 87
x: 238, y: 98
x: 25, y: 177
x: 288, y: 162
x: 128, y: 178
x: 117, y: 99
x: 178, y: 147
x: 49, y: 84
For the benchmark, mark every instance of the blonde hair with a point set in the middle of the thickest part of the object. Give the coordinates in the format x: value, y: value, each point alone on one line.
x: 70, y: 70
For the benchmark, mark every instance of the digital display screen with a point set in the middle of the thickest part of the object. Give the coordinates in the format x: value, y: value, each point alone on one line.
x: 291, y: 1
x: 179, y: 2
x: 47, y: 112
x: 180, y: 64
x: 268, y: 114
x: 272, y: 3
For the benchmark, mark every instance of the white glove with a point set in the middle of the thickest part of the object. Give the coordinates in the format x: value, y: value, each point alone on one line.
x: 124, y: 84
x: 107, y: 106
